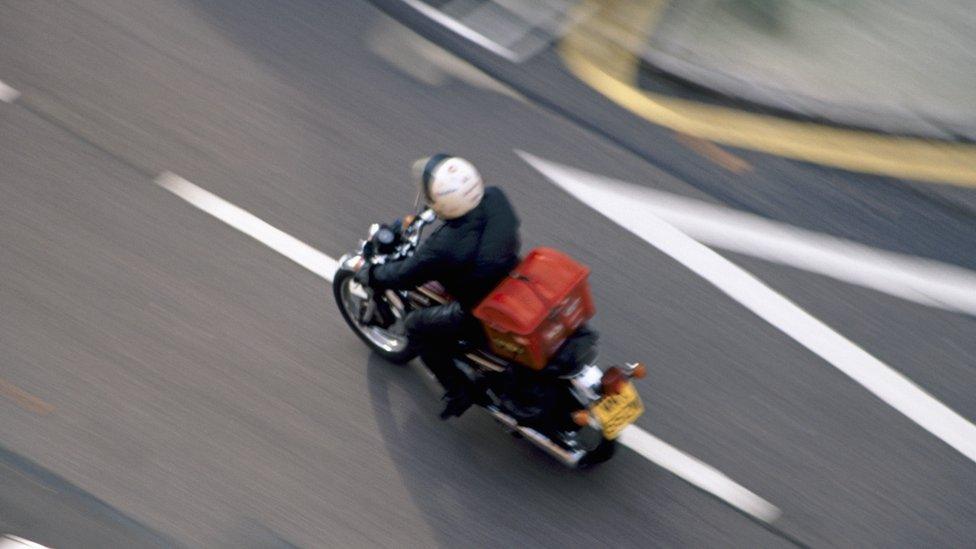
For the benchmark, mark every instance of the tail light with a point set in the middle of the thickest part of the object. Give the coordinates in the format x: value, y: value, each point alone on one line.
x: 613, y: 381
x: 581, y: 417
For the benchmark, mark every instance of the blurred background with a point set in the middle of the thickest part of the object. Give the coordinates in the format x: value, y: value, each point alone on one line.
x: 169, y: 381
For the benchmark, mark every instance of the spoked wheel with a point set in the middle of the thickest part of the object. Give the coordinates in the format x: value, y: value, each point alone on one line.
x: 390, y: 343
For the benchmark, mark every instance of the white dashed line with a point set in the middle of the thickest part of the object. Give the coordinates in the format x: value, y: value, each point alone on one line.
x: 647, y: 445
x: 698, y: 473
x: 247, y: 223
x: 8, y: 94
x: 13, y: 542
x: 460, y: 28
x: 626, y: 205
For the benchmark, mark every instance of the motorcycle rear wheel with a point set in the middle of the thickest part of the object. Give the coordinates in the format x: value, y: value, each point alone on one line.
x: 602, y: 453
x: 393, y: 347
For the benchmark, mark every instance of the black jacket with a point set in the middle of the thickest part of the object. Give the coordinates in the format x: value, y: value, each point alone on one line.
x: 469, y: 255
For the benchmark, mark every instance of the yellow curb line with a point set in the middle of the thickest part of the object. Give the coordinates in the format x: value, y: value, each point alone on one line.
x: 595, y: 62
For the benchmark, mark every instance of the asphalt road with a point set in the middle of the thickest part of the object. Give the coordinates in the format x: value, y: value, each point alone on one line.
x: 46, y: 509
x: 206, y: 388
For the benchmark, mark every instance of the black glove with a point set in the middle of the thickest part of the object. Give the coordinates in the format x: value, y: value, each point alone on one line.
x: 364, y: 277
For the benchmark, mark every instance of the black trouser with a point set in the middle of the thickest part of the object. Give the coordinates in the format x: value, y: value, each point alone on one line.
x: 436, y: 332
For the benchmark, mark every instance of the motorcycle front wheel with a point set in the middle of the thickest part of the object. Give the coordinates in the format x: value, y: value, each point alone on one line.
x: 391, y: 344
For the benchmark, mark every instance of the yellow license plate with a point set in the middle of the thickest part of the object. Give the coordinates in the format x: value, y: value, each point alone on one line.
x: 618, y: 411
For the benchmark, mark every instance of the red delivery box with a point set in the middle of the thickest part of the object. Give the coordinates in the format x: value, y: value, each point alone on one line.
x: 532, y: 312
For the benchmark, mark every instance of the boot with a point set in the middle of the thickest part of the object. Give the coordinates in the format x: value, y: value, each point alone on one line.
x: 458, y: 401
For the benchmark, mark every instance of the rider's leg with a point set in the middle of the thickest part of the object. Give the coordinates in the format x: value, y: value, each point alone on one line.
x: 436, y: 330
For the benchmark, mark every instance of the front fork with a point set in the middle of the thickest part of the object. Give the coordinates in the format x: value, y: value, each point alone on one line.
x: 373, y: 310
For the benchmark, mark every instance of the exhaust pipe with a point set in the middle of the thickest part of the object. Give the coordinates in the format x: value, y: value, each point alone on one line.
x: 568, y: 458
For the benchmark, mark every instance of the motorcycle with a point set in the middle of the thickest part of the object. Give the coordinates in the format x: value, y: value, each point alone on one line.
x: 581, y: 409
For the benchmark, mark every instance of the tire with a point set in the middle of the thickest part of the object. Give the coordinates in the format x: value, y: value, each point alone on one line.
x: 340, y: 285
x: 602, y: 453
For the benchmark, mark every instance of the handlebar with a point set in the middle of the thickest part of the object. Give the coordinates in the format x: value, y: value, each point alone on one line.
x: 397, y: 239
x: 419, y: 221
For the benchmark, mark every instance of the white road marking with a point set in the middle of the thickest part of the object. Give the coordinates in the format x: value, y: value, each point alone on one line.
x: 698, y: 473
x: 647, y: 445
x: 460, y: 28
x: 8, y: 94
x: 427, y: 62
x: 915, y: 279
x: 625, y: 204
x: 247, y: 223
x: 9, y: 541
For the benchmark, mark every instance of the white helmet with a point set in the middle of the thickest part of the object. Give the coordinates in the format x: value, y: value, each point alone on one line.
x: 451, y: 185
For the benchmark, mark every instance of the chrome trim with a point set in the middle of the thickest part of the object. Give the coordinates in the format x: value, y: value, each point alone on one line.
x: 418, y: 300
x: 585, y: 384
x: 484, y: 362
x: 431, y: 295
x: 350, y: 261
x: 395, y: 303
x: 629, y: 368
x: 428, y: 216
x: 567, y: 457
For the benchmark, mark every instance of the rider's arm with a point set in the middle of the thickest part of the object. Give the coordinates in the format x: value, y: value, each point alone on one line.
x: 422, y: 266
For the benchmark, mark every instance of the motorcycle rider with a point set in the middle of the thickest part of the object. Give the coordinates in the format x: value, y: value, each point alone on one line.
x: 469, y: 254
